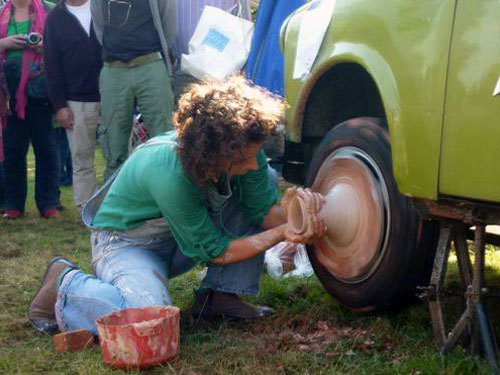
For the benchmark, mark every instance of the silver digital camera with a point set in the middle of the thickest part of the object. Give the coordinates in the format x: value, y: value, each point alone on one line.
x: 33, y: 38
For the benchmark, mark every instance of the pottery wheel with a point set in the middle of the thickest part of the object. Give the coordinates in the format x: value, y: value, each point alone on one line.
x: 354, y: 216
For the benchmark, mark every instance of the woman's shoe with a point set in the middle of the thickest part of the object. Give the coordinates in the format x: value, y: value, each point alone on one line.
x: 210, y: 304
x: 12, y: 214
x: 51, y: 213
x: 41, y: 310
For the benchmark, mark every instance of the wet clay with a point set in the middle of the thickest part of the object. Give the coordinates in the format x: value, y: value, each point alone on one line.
x: 303, y: 214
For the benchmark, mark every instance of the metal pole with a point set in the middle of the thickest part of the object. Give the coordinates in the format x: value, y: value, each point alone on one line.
x: 482, y: 324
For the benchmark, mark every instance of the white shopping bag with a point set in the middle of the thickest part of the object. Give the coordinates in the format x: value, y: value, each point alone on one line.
x: 219, y: 46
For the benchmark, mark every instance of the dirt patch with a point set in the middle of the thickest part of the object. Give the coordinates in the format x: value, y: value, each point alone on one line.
x: 307, y: 336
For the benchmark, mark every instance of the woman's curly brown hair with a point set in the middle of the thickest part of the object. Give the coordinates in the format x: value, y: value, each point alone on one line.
x: 216, y: 121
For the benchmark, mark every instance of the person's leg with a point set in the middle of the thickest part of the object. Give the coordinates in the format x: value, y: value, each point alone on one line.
x: 153, y: 90
x: 58, y: 132
x: 47, y: 158
x: 16, y: 142
x: 117, y: 104
x: 222, y: 286
x: 2, y: 178
x: 179, y: 263
x: 128, y: 274
x: 62, y: 145
x: 239, y: 278
x: 66, y: 162
x: 2, y: 188
x: 82, y: 142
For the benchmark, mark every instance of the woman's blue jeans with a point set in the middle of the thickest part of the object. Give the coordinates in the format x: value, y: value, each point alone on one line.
x: 135, y: 272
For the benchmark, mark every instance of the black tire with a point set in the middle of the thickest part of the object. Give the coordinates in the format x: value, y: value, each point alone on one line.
x: 404, y: 258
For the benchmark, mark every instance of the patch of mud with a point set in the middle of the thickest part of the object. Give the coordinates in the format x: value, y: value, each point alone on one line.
x: 301, y: 335
x: 304, y: 335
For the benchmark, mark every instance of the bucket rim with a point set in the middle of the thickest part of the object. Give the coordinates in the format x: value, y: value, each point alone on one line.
x: 100, y: 321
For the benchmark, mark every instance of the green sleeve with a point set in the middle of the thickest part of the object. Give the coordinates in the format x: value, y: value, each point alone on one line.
x: 182, y: 205
x: 258, y: 192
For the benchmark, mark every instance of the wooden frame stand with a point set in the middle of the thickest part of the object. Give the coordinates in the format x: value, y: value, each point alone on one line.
x: 474, y: 322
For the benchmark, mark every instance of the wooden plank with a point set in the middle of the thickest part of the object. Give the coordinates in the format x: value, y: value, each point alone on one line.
x: 73, y: 341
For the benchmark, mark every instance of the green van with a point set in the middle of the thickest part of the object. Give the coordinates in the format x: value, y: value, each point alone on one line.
x: 401, y: 106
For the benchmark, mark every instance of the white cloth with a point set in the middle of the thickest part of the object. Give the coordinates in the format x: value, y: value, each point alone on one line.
x: 313, y: 27
x: 496, y: 91
x: 82, y: 13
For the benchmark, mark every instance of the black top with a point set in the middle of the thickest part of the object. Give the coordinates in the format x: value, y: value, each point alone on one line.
x: 72, y: 59
x: 129, y: 31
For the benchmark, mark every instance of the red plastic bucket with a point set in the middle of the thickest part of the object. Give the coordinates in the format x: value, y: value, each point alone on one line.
x: 139, y: 338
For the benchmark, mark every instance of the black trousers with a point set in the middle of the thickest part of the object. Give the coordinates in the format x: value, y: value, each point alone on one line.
x: 37, y: 128
x: 66, y: 171
x: 2, y: 187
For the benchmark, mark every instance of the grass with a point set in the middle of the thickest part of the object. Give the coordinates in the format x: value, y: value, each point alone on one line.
x: 310, y: 333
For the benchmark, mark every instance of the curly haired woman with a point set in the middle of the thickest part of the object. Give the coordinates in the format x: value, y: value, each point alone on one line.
x: 201, y: 194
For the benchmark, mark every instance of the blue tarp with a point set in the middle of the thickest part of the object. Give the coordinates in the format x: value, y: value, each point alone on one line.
x: 265, y: 62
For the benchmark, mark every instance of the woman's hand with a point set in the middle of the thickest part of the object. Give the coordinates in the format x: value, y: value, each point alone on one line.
x: 13, y: 42
x: 37, y: 47
x: 315, y: 228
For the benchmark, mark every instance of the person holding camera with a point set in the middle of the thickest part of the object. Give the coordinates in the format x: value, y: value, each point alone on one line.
x: 73, y: 61
x: 27, y: 111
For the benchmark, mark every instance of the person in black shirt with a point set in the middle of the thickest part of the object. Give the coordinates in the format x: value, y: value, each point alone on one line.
x: 73, y: 61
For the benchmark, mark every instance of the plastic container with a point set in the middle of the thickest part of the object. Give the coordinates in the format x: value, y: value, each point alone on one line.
x: 140, y: 337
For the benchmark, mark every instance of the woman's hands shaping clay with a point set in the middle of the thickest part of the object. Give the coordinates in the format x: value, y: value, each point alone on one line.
x: 304, y: 222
